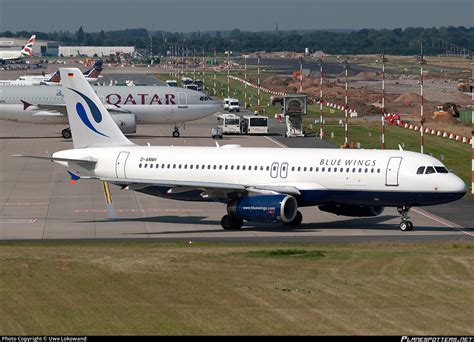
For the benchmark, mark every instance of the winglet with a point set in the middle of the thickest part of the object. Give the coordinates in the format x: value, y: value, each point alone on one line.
x: 74, y: 177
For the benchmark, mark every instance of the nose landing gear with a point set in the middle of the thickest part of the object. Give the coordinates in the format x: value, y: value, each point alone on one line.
x: 176, y: 130
x: 406, y: 225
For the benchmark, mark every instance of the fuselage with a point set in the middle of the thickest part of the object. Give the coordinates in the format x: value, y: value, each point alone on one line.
x: 365, y: 177
x: 150, y: 104
x: 11, y: 55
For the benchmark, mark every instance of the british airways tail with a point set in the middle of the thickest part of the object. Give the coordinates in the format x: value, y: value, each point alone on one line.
x: 28, y: 49
x: 91, y: 123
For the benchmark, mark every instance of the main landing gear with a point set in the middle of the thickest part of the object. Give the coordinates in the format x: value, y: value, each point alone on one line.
x: 229, y: 223
x: 406, y: 225
x: 176, y: 130
x: 66, y: 133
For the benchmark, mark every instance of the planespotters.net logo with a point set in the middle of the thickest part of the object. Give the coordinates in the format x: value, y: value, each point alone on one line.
x: 437, y: 339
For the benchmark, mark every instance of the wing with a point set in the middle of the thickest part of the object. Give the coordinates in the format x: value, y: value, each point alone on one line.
x: 213, y: 189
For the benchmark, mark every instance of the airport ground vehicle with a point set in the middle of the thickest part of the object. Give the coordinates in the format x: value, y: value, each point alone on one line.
x: 234, y: 105
x: 229, y: 123
x: 191, y: 86
x: 254, y: 124
x: 225, y: 103
x: 172, y: 83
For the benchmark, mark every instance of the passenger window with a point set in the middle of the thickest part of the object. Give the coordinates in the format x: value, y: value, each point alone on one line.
x: 215, y: 166
x: 299, y: 168
x: 378, y: 170
x: 268, y: 168
x: 146, y: 165
x: 238, y: 167
x: 292, y: 168
x: 191, y: 166
x: 329, y: 169
x: 311, y: 169
x: 185, y: 166
x: 317, y: 169
x: 157, y: 166
x: 179, y: 166
x: 243, y: 168
x: 429, y: 170
x: 322, y: 170
x: 225, y: 167
x: 335, y: 169
x: 420, y: 170
x: 140, y: 166
x: 232, y: 167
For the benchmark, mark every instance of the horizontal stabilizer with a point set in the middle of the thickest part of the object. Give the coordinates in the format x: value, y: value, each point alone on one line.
x: 87, y: 160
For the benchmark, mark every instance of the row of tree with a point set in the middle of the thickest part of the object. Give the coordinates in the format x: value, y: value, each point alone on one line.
x: 367, y: 41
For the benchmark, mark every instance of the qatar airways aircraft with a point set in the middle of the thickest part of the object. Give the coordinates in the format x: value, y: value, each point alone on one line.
x: 256, y: 184
x: 128, y: 106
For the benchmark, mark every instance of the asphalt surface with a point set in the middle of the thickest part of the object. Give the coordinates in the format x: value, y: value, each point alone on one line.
x: 37, y: 201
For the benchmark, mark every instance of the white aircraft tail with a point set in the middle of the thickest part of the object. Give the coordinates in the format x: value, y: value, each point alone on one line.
x: 91, y: 123
x: 28, y: 49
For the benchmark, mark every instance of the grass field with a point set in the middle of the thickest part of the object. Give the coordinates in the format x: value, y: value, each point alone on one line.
x: 81, y: 288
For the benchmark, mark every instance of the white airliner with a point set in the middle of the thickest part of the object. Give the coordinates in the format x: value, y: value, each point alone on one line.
x: 92, y: 75
x: 128, y: 106
x: 256, y: 184
x: 27, y: 51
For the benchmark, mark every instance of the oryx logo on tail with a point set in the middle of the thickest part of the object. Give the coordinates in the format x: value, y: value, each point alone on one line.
x: 95, y: 112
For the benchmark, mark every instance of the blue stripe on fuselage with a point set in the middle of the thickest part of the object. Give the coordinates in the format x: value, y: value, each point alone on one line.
x: 350, y: 197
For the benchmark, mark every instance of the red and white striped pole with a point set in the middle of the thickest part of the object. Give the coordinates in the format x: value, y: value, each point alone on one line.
x: 472, y: 142
x: 321, y: 101
x: 383, y: 100
x: 346, y: 131
x: 301, y: 74
x: 422, y: 119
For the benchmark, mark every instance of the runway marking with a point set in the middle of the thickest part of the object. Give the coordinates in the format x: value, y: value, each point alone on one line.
x: 17, y: 221
x: 442, y: 221
x: 27, y: 203
x: 275, y: 142
x: 137, y: 210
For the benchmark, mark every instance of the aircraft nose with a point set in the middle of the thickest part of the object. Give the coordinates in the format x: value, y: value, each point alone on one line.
x: 457, y: 185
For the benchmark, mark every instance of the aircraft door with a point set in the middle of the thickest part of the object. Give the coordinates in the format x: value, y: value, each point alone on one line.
x: 274, y: 170
x: 120, y: 164
x: 393, y: 167
x: 182, y: 100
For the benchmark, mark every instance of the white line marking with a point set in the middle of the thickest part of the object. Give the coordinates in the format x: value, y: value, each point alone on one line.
x: 442, y: 221
x: 275, y: 142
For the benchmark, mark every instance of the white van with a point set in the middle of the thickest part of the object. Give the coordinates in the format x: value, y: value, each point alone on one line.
x: 225, y: 103
x: 234, y: 105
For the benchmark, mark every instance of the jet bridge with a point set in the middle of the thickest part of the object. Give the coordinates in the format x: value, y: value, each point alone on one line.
x: 294, y: 108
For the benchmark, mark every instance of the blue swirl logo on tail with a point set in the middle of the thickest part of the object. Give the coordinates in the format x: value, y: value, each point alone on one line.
x: 95, y: 111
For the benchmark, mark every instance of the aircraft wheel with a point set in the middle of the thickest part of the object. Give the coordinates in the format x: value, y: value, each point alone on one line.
x: 66, y: 133
x: 296, y: 221
x: 406, y: 226
x: 176, y: 134
x: 230, y: 224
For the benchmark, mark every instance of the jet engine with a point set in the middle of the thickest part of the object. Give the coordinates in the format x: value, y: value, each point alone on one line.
x: 126, y: 122
x: 264, y: 208
x: 352, y: 210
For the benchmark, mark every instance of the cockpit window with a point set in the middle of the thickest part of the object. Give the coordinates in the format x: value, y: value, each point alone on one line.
x: 420, y: 170
x: 441, y: 169
x: 429, y: 170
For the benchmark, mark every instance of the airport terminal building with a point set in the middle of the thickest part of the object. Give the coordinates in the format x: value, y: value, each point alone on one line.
x: 93, y: 51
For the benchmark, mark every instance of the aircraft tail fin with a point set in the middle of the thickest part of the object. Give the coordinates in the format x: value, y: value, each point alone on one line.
x: 28, y: 49
x: 95, y: 71
x: 91, y: 123
x: 54, y: 78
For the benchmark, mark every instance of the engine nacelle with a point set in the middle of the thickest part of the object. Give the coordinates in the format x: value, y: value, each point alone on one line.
x: 126, y: 122
x: 264, y: 208
x: 352, y: 210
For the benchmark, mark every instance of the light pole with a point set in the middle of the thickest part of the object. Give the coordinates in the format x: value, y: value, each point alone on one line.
x: 422, y: 61
x: 258, y: 82
x: 383, y: 99
x: 321, y: 99
x: 228, y: 74
x: 346, y: 131
x: 214, y: 66
x: 245, y: 83
x: 301, y: 74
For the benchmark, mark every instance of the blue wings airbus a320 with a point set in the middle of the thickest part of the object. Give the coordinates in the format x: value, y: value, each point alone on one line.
x: 256, y: 184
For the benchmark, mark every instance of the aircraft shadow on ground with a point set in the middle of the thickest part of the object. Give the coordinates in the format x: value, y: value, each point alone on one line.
x: 370, y: 223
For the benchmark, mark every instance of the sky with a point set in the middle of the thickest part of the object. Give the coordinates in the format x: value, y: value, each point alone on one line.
x: 222, y: 15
